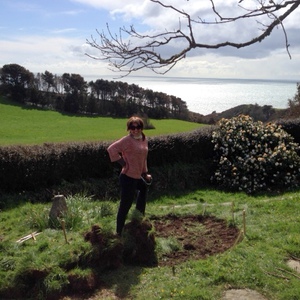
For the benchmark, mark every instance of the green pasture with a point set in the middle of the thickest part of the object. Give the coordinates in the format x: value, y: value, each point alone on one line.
x: 27, y: 125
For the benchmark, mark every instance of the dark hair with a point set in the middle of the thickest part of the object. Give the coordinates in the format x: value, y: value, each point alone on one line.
x: 138, y: 121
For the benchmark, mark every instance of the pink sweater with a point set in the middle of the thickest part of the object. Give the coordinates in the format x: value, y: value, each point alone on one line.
x: 134, y: 153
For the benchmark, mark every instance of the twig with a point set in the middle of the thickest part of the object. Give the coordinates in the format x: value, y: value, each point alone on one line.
x: 294, y: 257
x: 291, y: 273
x: 28, y: 237
x: 276, y: 275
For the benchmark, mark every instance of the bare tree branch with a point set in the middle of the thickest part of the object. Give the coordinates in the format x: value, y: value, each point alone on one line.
x: 139, y: 50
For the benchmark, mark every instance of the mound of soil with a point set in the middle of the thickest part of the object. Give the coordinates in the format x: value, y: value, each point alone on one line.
x: 139, y: 245
x: 199, y: 236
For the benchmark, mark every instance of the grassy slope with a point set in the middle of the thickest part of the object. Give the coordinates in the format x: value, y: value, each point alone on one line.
x: 25, y: 125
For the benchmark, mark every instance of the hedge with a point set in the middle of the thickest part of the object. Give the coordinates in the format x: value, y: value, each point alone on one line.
x: 24, y: 168
x: 30, y: 168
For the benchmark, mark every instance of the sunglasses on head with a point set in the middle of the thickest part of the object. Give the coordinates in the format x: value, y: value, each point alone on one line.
x: 132, y: 127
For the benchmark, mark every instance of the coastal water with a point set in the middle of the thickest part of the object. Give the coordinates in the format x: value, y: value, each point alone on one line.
x: 205, y: 95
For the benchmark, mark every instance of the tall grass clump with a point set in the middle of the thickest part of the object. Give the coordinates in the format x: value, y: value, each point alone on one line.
x: 254, y: 157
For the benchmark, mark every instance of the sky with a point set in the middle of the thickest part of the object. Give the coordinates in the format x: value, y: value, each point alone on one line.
x: 52, y: 35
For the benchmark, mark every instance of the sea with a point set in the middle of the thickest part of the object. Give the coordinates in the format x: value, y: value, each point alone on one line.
x: 207, y: 95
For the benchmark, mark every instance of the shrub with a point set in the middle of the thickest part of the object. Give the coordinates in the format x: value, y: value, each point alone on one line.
x: 291, y: 126
x: 254, y: 157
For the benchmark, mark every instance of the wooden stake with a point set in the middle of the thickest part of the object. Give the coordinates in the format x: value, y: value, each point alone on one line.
x: 244, y: 221
x: 204, y: 209
x: 238, y: 238
x: 63, y: 225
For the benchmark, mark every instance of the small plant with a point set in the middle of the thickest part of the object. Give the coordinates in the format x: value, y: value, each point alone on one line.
x: 106, y: 209
x: 38, y: 217
x: 167, y: 245
x: 78, y: 209
x: 254, y: 157
x: 55, y: 281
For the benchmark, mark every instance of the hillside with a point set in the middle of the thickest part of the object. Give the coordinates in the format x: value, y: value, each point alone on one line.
x: 25, y: 124
x: 264, y: 113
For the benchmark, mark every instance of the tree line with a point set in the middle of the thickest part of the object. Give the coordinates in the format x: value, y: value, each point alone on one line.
x: 70, y: 93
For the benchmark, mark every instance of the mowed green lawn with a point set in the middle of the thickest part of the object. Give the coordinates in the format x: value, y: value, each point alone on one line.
x: 30, y: 126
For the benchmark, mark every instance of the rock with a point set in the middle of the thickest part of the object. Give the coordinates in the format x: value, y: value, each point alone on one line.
x: 242, y: 294
x: 294, y: 264
x: 59, y: 207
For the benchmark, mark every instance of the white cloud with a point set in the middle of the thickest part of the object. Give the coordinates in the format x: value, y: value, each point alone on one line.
x: 276, y: 66
x: 67, y: 54
x: 158, y: 19
x: 60, y: 55
x: 62, y: 31
x: 37, y: 53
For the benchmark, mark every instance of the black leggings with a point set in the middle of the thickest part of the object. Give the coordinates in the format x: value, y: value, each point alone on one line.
x: 129, y: 187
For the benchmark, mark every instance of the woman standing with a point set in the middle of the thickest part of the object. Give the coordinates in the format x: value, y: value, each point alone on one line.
x: 131, y: 153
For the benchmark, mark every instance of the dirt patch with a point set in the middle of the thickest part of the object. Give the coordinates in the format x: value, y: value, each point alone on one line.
x: 199, y: 236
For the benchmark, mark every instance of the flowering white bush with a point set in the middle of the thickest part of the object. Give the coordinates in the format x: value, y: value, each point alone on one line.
x: 253, y: 157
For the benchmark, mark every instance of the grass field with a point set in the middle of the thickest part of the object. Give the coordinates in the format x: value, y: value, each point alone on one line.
x: 258, y: 262
x: 26, y: 125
